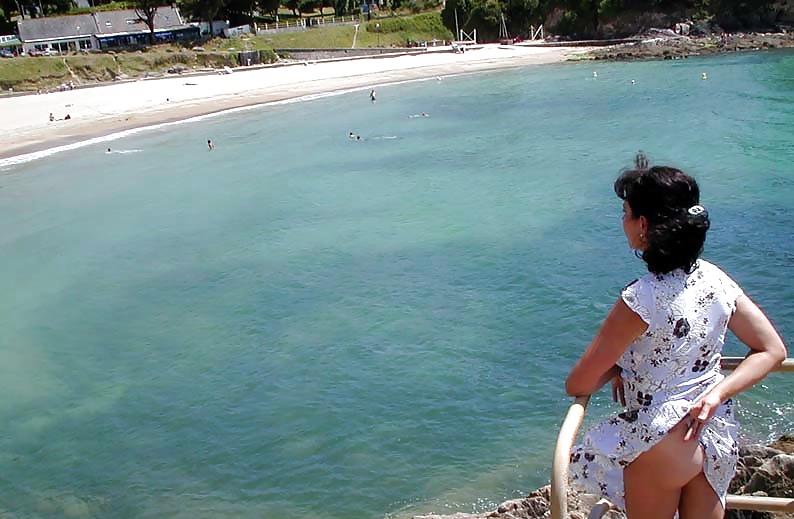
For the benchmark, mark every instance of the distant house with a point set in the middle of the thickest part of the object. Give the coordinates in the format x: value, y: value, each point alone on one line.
x: 102, y: 30
x: 9, y: 41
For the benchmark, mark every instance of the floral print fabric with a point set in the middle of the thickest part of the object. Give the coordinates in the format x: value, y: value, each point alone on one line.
x: 664, y: 371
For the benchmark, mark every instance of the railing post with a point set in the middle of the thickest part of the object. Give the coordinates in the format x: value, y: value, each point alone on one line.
x: 562, y: 457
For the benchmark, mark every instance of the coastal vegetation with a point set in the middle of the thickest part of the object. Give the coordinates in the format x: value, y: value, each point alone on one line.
x: 565, y: 18
x: 28, y: 73
x: 613, y: 18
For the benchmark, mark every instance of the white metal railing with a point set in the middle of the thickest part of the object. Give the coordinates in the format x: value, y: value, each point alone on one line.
x: 301, y: 22
x: 562, y: 457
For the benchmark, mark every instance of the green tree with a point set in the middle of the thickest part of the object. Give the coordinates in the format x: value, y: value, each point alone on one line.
x: 454, y: 15
x: 60, y: 6
x: 342, y: 7
x: 485, y: 16
x: 146, y: 11
x: 307, y: 6
x: 239, y: 12
x: 204, y: 10
x: 520, y: 14
x: 292, y: 5
x: 8, y: 7
x: 269, y: 6
x: 5, y: 21
x: 208, y: 9
x: 743, y: 14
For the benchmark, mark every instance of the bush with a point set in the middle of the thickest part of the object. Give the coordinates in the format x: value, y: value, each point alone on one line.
x: 268, y: 56
x: 112, y: 6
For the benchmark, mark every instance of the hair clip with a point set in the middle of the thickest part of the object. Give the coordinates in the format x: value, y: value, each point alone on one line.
x: 696, y: 210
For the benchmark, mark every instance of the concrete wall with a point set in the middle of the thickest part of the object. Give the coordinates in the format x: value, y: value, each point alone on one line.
x: 315, y: 54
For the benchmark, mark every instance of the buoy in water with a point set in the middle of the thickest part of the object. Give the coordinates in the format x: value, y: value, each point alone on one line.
x: 703, y: 76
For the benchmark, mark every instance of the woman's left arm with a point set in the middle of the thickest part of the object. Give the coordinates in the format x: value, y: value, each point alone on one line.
x: 597, y: 364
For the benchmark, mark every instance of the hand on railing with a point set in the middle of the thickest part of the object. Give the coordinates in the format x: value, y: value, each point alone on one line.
x: 570, y: 428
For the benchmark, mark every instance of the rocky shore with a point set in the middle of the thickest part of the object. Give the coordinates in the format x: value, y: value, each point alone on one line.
x: 761, y: 471
x: 666, y: 44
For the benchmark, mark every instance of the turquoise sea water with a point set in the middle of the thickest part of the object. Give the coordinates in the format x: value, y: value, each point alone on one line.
x: 297, y: 325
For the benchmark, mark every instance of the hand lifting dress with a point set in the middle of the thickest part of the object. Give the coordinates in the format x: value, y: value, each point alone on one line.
x: 665, y: 370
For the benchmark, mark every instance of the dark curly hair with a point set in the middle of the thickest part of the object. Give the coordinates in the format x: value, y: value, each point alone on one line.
x: 664, y: 196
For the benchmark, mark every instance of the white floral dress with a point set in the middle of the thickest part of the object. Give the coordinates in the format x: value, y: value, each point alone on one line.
x: 665, y: 370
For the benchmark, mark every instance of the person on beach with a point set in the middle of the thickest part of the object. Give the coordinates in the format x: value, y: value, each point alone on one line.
x: 210, y: 145
x: 673, y: 448
x: 52, y: 117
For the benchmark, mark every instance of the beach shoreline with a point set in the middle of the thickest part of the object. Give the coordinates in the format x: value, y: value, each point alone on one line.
x: 105, y: 110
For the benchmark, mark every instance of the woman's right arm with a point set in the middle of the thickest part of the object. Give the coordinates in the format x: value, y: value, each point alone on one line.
x: 767, y: 351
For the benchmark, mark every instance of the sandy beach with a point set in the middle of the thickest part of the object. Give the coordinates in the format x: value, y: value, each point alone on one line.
x: 25, y: 125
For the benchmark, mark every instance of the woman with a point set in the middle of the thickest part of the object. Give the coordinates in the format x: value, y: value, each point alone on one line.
x: 674, y: 447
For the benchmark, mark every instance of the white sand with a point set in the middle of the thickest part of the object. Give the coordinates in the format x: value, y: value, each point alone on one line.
x: 25, y: 124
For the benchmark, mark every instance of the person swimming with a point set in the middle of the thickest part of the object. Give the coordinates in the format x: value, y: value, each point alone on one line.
x: 210, y: 145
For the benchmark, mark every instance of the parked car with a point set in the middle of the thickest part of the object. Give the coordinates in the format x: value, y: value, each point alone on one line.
x: 35, y: 53
x: 50, y: 52
x: 5, y: 53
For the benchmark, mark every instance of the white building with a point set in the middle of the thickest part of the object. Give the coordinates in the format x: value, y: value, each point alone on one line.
x: 101, y: 30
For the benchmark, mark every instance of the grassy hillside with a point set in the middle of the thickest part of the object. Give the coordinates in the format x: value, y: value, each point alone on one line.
x: 385, y: 32
x: 26, y: 74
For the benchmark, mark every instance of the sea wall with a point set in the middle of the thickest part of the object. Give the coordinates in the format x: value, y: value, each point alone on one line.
x: 318, y: 54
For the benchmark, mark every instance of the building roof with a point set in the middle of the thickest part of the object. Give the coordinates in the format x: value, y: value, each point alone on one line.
x: 101, y: 23
x: 127, y: 21
x: 31, y: 29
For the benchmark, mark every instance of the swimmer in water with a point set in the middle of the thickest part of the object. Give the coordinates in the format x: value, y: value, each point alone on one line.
x: 210, y: 145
